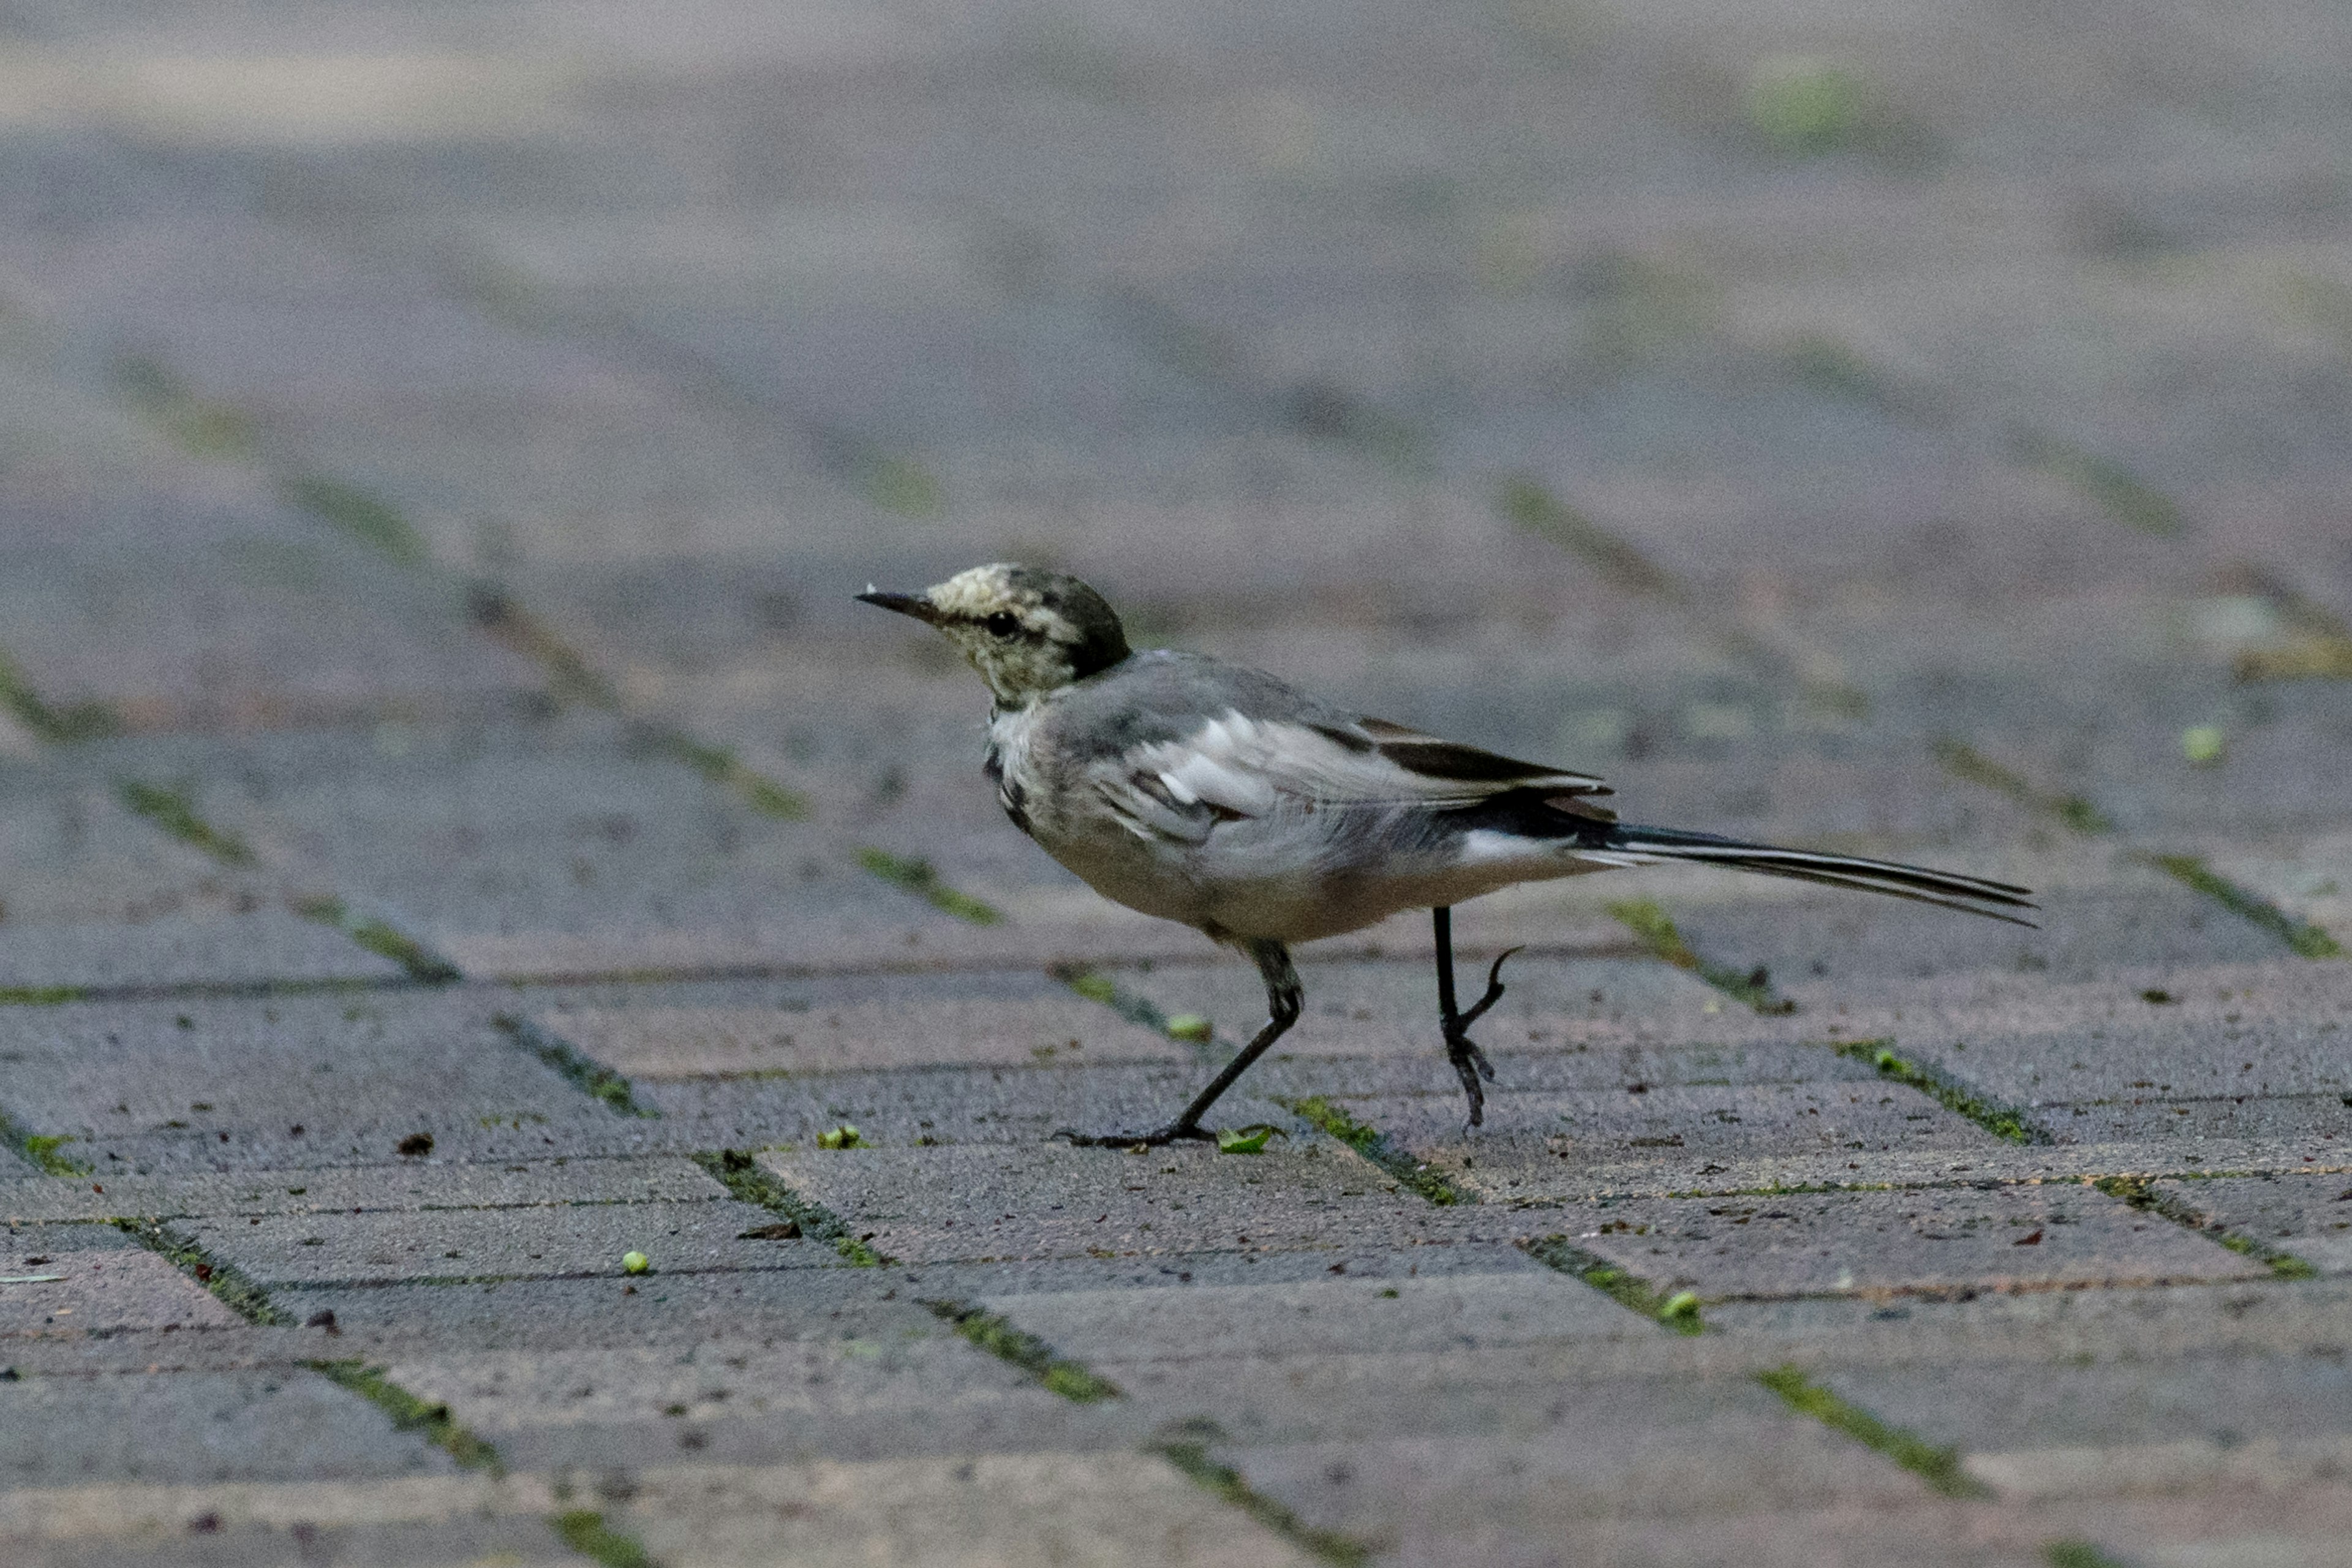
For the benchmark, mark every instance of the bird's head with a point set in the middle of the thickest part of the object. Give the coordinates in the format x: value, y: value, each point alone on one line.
x: 1028, y: 632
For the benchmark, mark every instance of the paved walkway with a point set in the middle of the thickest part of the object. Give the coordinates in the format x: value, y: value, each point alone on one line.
x: 459, y: 833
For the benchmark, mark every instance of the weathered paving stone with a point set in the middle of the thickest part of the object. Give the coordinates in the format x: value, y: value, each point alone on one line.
x: 982, y: 1203
x: 680, y: 1309
x: 1645, y: 1447
x: 2005, y: 1238
x: 275, y: 1426
x: 69, y: 1289
x: 2217, y: 1400
x: 191, y: 1526
x: 1390, y: 1009
x: 407, y: 1185
x: 1033, y: 1508
x: 500, y: 1244
x: 1330, y: 1315
x: 1536, y: 1145
x: 2309, y: 1216
x: 670, y: 1043
x: 727, y: 1400
x: 283, y: 1082
x: 1020, y: 1106
x: 647, y: 867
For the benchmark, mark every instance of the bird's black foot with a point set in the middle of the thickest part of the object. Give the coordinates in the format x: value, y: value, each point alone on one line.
x: 1158, y: 1137
x: 1470, y: 1063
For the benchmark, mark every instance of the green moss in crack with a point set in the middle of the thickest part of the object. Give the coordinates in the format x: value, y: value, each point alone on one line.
x: 1374, y: 1145
x: 1939, y: 1467
x: 997, y: 1336
x: 1676, y: 1310
x: 174, y: 811
x: 919, y: 877
x: 1753, y: 990
x: 236, y: 1289
x: 1954, y: 1095
x: 410, y: 1413
x: 584, y: 1531
x: 741, y: 1172
x: 1187, y: 1448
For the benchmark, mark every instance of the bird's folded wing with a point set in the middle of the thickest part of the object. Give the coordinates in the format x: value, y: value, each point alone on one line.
x: 1235, y: 767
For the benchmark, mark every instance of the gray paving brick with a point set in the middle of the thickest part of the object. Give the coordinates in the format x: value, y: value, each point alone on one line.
x: 501, y: 1244
x: 749, y: 1402
x: 522, y: 1542
x: 979, y: 1203
x: 668, y: 1043
x: 205, y: 1085
x: 1919, y: 1240
x: 1004, y: 1106
x: 2307, y: 1216
x: 1044, y: 1507
x: 1533, y: 1143
x: 287, y: 1425
x: 2221, y: 1399
x: 408, y: 1185
x: 1648, y: 1447
x: 60, y: 1285
x: 1329, y: 1315
x: 680, y: 1310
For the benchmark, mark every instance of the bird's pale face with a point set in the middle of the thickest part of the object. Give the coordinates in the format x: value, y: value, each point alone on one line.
x: 1028, y: 632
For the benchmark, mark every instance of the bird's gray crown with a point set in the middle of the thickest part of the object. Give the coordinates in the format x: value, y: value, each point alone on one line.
x: 1028, y: 631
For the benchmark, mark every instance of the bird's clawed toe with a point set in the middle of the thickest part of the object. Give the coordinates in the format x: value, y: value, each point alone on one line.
x: 1157, y: 1138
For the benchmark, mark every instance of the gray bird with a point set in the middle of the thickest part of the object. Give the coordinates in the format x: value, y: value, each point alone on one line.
x: 1215, y: 794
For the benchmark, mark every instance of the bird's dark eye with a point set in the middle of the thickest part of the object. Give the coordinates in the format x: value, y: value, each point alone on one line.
x: 1002, y: 623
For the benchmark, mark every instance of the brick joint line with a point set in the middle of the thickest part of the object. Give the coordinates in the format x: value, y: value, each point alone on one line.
x: 1752, y: 990
x: 611, y: 1088
x: 738, y: 1171
x: 1939, y: 1467
x: 995, y: 1333
x: 2003, y: 1121
x: 1675, y: 1310
x: 1186, y: 1445
x: 2141, y: 1194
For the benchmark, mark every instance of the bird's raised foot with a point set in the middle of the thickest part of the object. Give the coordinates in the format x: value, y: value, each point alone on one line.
x: 1157, y: 1138
x: 1470, y: 1063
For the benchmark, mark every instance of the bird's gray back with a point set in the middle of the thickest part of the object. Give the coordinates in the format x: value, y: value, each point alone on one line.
x: 1162, y: 696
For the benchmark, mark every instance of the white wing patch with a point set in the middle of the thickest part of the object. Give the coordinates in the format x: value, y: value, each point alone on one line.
x: 1236, y: 766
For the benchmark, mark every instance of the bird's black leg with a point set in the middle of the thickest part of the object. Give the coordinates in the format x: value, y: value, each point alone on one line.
x: 1470, y: 1063
x: 1282, y: 1001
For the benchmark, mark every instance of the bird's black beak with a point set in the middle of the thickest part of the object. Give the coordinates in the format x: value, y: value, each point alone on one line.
x: 913, y: 605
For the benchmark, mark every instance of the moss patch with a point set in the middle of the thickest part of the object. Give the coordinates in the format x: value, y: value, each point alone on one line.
x: 919, y: 877
x: 1949, y: 1092
x: 43, y: 1149
x: 584, y: 1531
x: 1524, y: 502
x: 2141, y: 1193
x: 1939, y: 1467
x: 1753, y: 990
x: 174, y: 809
x: 997, y: 1336
x: 741, y: 1174
x: 592, y: 1076
x: 47, y: 722
x: 1676, y: 1310
x: 1374, y: 1145
x: 236, y: 1289
x: 1965, y: 762
x: 2114, y: 489
x: 410, y: 1413
x: 1188, y: 1449
x: 2301, y: 936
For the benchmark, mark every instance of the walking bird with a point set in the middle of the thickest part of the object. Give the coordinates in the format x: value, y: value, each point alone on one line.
x: 1215, y: 794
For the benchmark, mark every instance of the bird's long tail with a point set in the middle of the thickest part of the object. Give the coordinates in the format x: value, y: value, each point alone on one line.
x: 1947, y: 889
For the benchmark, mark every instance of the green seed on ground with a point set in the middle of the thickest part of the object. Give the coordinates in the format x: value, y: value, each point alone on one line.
x: 1680, y: 1305
x: 636, y: 1263
x: 842, y: 1137
x: 1248, y: 1140
x: 1190, y: 1026
x: 2202, y: 744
